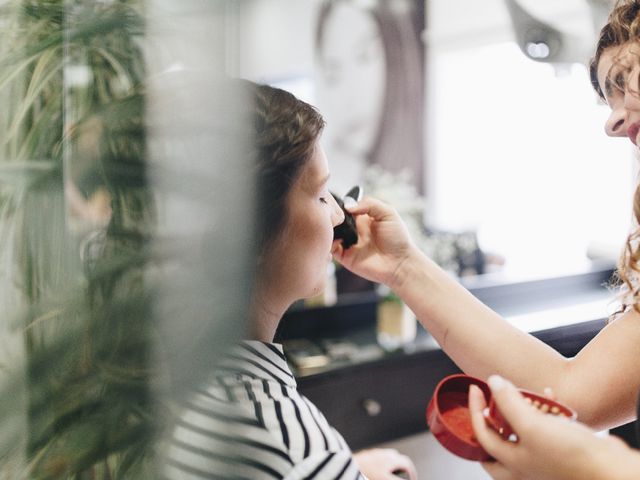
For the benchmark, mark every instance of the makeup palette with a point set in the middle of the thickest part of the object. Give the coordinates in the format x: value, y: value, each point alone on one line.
x: 449, y: 418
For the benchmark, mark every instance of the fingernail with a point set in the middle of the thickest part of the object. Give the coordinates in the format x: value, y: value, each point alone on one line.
x: 496, y: 383
x: 349, y: 202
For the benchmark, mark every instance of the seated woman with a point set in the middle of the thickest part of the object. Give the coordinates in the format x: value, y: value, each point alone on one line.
x: 250, y: 421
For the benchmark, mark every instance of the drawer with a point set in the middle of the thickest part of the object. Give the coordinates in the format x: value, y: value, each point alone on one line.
x: 379, y: 401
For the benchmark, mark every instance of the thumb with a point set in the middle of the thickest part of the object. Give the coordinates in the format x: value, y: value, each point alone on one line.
x: 373, y: 207
x: 510, y: 402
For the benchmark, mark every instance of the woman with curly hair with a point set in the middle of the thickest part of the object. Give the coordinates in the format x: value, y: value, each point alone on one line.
x: 601, y: 382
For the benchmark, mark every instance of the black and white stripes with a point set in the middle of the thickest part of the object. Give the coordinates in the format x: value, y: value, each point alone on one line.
x: 251, y: 423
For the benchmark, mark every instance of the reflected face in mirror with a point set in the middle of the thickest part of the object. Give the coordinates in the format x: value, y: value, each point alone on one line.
x: 352, y: 78
x: 299, y: 258
x: 618, y: 74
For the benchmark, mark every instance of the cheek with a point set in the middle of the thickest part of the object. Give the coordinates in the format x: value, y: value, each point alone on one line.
x: 317, y: 247
x: 319, y: 238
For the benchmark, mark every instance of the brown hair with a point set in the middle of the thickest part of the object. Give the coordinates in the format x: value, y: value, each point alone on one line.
x: 286, y: 131
x: 623, y: 26
x: 629, y: 263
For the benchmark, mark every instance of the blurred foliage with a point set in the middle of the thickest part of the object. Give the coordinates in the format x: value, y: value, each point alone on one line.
x: 76, y: 219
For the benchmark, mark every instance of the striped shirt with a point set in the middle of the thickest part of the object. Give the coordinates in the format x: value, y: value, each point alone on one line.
x: 250, y: 422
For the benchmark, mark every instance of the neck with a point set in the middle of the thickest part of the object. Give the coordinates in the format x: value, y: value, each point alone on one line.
x: 266, y: 313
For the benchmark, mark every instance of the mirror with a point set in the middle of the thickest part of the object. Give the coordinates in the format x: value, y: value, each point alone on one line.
x: 512, y: 173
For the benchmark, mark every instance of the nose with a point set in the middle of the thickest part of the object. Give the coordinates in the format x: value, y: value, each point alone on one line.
x: 615, y: 126
x: 337, y: 215
x: 626, y: 110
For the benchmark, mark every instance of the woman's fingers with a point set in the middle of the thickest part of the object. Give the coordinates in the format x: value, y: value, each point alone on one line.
x: 493, y: 444
x: 406, y: 465
x: 380, y: 463
x: 510, y: 403
x: 497, y: 471
x: 548, y: 392
x: 372, y: 207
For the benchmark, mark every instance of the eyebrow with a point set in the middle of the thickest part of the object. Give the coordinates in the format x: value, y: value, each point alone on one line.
x: 608, y: 89
x: 609, y: 86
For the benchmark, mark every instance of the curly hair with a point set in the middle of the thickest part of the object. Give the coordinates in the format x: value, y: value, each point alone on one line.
x: 622, y: 27
x: 286, y: 132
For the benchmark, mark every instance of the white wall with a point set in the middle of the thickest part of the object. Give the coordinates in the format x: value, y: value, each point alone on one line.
x: 517, y: 149
x: 456, y: 23
x: 276, y: 38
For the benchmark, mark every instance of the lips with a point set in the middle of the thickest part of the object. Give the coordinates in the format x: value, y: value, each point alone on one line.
x: 632, y: 132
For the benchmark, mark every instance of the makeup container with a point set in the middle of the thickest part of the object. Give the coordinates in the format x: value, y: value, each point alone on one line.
x: 347, y: 231
x: 449, y: 418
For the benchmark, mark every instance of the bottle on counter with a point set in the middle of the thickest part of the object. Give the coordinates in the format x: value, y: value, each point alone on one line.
x: 396, y: 323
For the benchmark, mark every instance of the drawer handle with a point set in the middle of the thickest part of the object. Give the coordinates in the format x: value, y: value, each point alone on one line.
x: 372, y: 407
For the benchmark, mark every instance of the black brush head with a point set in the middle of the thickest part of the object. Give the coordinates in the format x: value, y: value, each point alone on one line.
x: 347, y: 230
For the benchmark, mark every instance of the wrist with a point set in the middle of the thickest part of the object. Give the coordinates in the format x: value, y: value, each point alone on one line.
x: 406, y: 270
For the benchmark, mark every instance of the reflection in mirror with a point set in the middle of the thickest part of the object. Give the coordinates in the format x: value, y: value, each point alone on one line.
x: 369, y: 63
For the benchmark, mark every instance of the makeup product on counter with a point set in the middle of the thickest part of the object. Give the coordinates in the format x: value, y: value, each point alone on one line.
x: 347, y: 230
x: 449, y: 418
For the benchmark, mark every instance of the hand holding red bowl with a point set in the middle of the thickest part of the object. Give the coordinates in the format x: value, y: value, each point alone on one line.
x: 449, y: 414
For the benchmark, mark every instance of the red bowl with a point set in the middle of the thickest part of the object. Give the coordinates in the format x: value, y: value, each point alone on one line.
x: 449, y: 418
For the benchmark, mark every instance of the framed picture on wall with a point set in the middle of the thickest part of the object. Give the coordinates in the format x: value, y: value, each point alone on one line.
x: 369, y: 79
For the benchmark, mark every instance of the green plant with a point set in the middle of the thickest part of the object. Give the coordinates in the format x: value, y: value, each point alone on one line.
x: 72, y: 88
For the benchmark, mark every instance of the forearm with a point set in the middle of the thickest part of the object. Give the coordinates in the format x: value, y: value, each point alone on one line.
x: 617, y: 463
x: 475, y: 337
x: 601, y: 382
